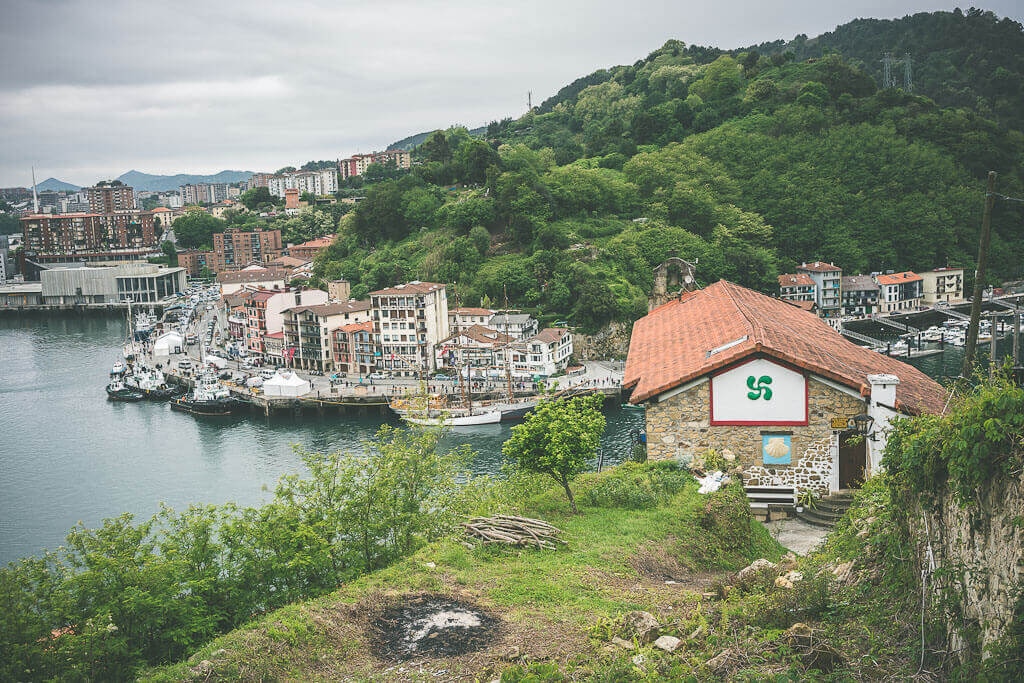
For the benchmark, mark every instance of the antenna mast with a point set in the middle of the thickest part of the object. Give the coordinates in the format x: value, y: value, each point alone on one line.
x: 35, y: 195
x: 908, y: 76
x: 887, y: 70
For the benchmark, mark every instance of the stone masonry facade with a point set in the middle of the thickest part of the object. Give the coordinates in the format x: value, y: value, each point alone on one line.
x: 681, y: 427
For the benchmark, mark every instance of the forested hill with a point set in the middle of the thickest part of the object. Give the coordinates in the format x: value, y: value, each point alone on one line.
x: 969, y: 59
x: 749, y: 162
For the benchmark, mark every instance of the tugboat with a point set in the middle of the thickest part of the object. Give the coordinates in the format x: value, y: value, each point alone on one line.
x: 209, y: 397
x: 117, y: 391
x: 151, y: 383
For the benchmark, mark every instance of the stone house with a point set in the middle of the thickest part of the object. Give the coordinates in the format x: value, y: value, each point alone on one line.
x: 727, y: 368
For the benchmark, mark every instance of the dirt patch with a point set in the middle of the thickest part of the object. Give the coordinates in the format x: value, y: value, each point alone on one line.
x: 433, y: 626
x: 654, y: 561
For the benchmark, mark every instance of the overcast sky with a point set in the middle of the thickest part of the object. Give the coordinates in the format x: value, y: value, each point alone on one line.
x: 90, y: 89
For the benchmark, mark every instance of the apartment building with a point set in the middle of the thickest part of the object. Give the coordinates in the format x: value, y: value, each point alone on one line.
x: 945, y: 285
x: 860, y: 295
x: 203, y: 193
x: 545, y: 354
x: 409, y: 321
x: 827, y: 279
x: 466, y: 316
x: 797, y: 287
x: 308, y: 332
x: 476, y: 349
x: 258, y: 180
x: 110, y: 198
x: 316, y: 183
x: 257, y: 278
x: 122, y: 235
x: 234, y: 249
x: 519, y: 325
x: 354, y: 348
x: 356, y: 165
x: 900, y: 291
x: 264, y: 312
x: 194, y: 261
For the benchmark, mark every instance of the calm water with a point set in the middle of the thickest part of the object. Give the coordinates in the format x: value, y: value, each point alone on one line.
x: 69, y: 455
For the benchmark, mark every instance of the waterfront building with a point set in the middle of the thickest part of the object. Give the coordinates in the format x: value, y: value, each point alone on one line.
x: 797, y: 287
x: 258, y: 278
x: 860, y: 295
x: 353, y: 348
x: 467, y: 316
x: 408, y: 322
x: 17, y: 294
x: 4, y: 250
x: 519, y: 325
x: 773, y: 386
x: 827, y: 279
x: 476, y: 349
x: 356, y: 164
x: 308, y: 332
x: 944, y: 285
x: 140, y: 282
x: 273, y: 349
x: 899, y: 291
x: 121, y: 235
x: 544, y: 354
x: 264, y: 311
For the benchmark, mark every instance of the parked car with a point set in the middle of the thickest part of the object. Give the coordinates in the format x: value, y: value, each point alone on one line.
x: 378, y: 375
x: 184, y: 365
x: 266, y: 373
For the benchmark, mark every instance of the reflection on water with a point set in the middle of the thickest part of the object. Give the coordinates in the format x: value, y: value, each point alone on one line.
x: 68, y: 454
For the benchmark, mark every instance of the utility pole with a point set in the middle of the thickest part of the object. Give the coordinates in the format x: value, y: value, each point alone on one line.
x: 992, y: 349
x: 1016, y: 339
x: 979, y: 275
x: 529, y: 100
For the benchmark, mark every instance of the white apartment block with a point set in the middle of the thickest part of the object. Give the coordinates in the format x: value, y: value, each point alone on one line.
x: 546, y: 353
x: 317, y: 183
x: 408, y: 323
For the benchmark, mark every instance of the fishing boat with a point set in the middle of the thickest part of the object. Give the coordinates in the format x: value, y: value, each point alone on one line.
x: 150, y: 382
x: 209, y: 397
x: 118, y: 391
x: 117, y: 369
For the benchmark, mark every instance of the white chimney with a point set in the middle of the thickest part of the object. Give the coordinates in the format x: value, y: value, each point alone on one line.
x: 883, y: 389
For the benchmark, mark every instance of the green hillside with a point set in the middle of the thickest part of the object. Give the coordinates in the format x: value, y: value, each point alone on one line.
x: 749, y: 163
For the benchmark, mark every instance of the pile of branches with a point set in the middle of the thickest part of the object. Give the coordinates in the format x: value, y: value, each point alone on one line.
x: 510, y: 530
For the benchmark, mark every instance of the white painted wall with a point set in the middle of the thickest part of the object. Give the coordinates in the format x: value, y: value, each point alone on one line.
x: 730, y: 401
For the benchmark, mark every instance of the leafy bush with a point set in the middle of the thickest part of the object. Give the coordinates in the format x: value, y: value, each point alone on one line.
x: 637, y: 486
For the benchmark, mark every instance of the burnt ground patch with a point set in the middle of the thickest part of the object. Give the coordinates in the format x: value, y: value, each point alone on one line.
x: 430, y: 625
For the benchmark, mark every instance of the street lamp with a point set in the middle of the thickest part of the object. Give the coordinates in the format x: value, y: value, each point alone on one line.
x: 862, y: 425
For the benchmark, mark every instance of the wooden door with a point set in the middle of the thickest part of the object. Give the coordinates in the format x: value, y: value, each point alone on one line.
x: 852, y: 461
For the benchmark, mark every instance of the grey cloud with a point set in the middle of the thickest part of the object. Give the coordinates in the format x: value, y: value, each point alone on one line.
x: 92, y: 89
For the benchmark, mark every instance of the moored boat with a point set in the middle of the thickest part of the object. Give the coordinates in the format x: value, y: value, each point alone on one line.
x: 209, y: 397
x: 117, y: 391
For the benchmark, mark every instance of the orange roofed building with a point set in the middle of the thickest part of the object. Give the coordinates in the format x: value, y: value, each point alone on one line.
x: 729, y: 369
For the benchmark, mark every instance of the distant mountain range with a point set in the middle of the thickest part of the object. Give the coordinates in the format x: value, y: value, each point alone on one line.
x: 162, y: 183
x: 53, y: 184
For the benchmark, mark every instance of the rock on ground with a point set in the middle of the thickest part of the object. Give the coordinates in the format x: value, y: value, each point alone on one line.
x: 667, y: 643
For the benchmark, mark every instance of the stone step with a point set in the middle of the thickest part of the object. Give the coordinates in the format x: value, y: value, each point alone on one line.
x: 804, y: 517
x: 821, y: 516
x: 838, y: 507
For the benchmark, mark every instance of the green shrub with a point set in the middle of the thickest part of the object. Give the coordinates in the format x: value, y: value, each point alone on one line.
x: 637, y: 486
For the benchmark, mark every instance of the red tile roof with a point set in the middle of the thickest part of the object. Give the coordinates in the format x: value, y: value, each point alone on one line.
x: 806, y: 305
x: 711, y: 328
x: 550, y: 335
x: 469, y: 310
x: 241, y: 276
x: 318, y: 243
x: 355, y: 327
x: 796, y: 280
x: 274, y: 335
x: 819, y: 267
x: 415, y: 287
x: 481, y: 335
x: 897, y: 278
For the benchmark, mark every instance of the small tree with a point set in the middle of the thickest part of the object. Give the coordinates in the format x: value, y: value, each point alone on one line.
x: 557, y: 439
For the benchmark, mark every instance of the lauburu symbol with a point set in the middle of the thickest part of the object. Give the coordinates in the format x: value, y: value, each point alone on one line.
x: 759, y: 388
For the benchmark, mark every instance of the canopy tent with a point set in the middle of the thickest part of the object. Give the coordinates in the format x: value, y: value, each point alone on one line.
x: 168, y: 343
x: 286, y: 384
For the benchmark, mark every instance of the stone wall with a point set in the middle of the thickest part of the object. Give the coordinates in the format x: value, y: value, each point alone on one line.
x: 681, y: 426
x: 611, y: 341
x: 981, y: 547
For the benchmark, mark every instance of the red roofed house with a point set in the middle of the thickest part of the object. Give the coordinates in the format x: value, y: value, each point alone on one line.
x: 797, y: 287
x: 307, y: 251
x: 476, y: 348
x: 727, y: 368
x: 353, y: 348
x: 900, y: 291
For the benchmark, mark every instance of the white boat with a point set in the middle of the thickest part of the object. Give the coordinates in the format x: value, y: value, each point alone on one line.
x: 117, y: 369
x: 447, y: 420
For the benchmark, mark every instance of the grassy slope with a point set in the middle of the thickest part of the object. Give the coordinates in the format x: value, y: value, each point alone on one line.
x: 617, y: 560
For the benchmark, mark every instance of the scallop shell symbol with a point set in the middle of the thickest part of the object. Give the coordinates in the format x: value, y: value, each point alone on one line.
x: 776, y: 448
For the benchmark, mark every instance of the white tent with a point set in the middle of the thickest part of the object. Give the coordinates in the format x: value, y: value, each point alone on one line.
x: 286, y: 384
x: 168, y: 343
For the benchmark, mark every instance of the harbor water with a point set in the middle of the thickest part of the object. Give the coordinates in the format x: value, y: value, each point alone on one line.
x: 67, y: 454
